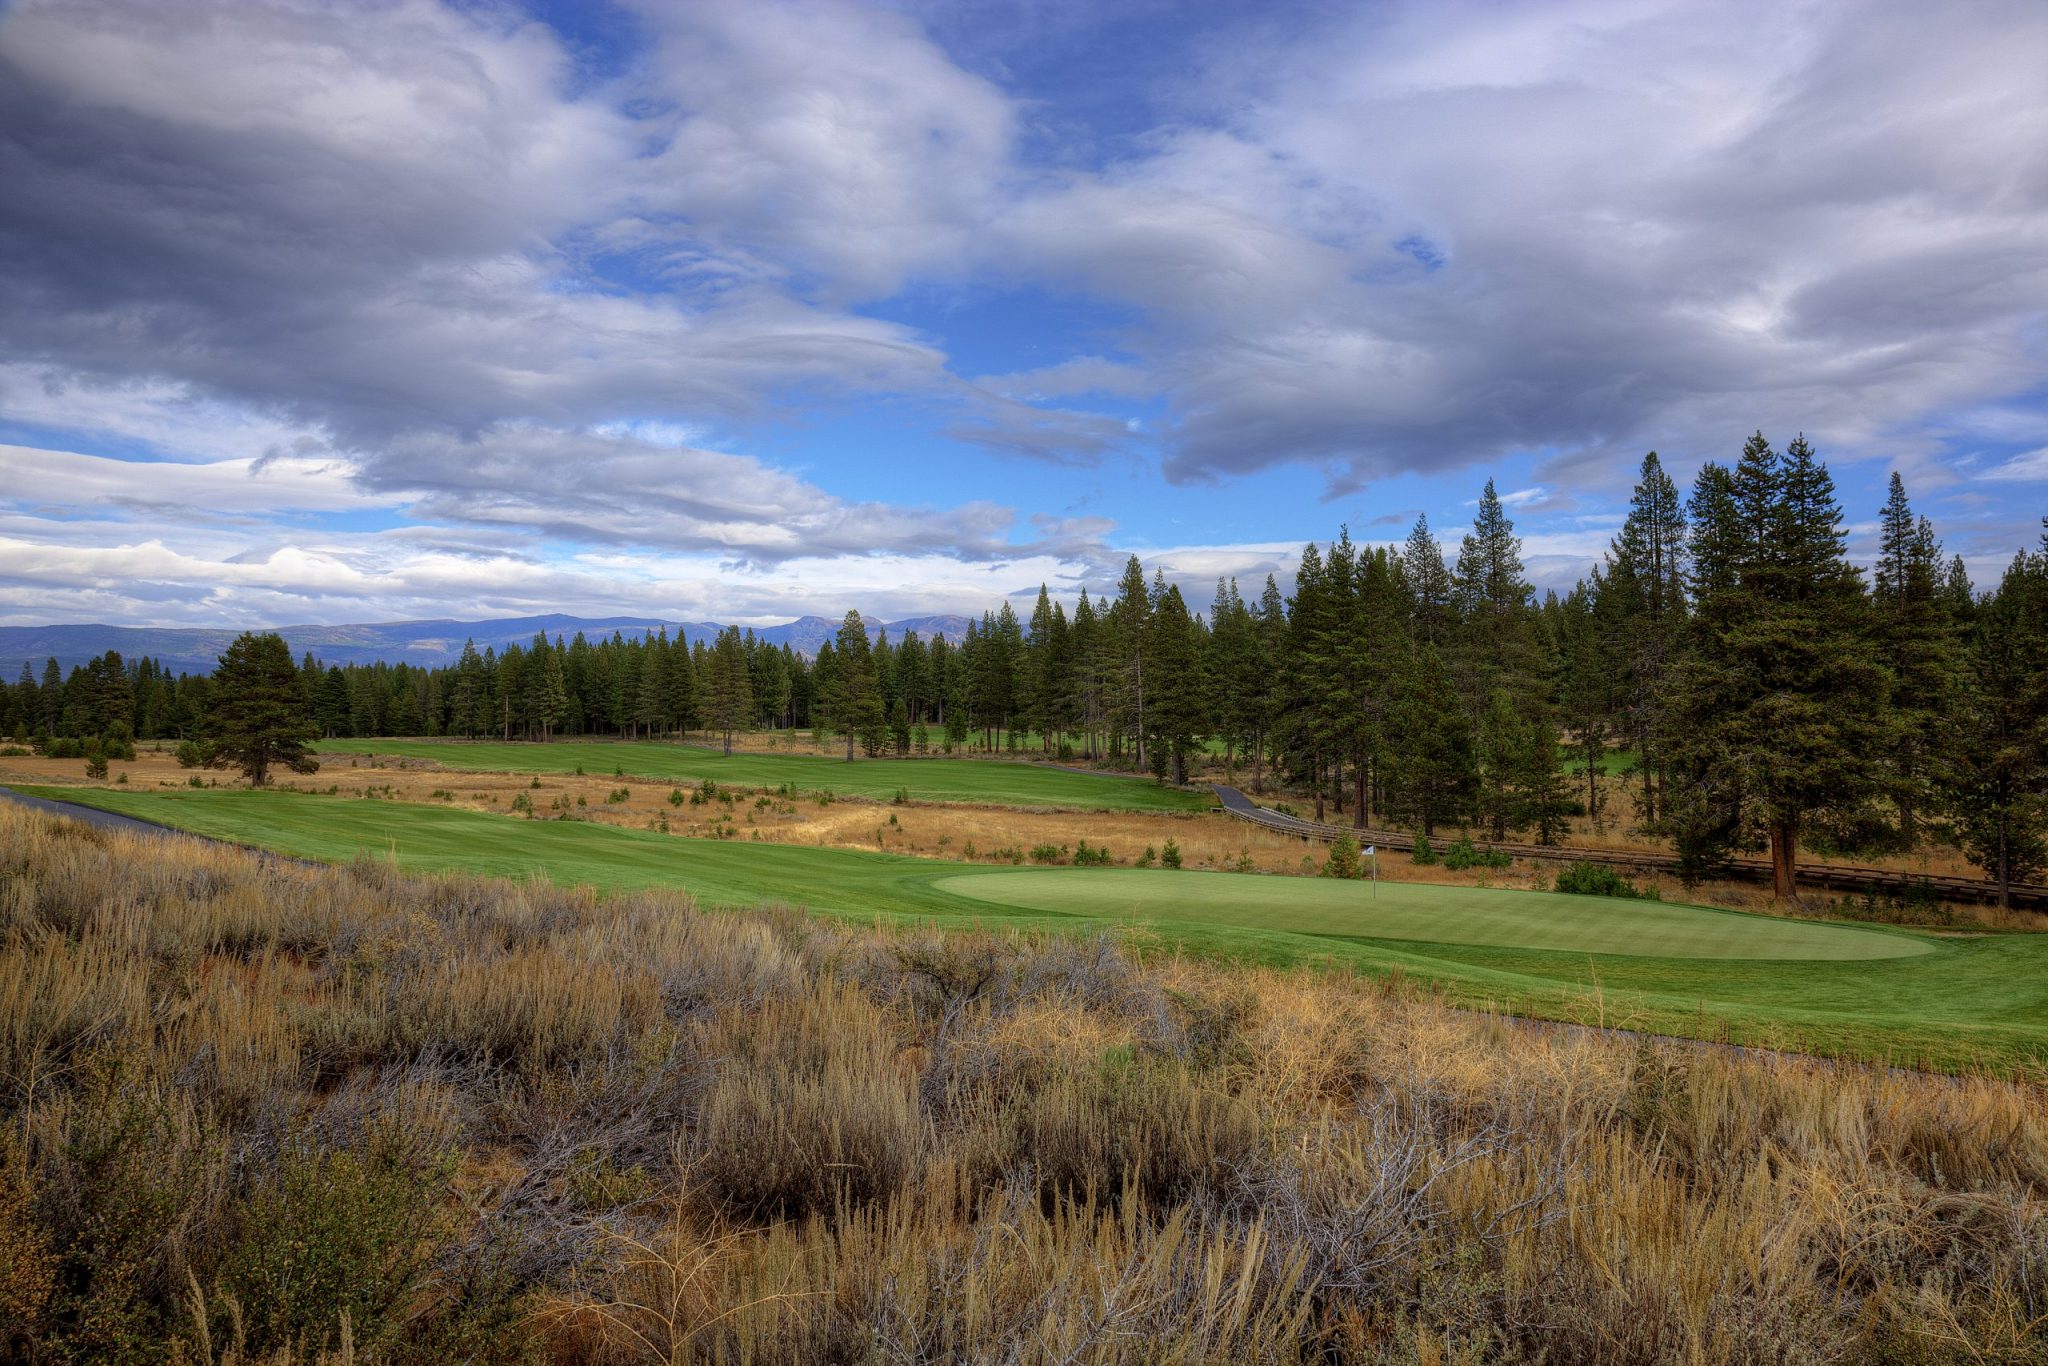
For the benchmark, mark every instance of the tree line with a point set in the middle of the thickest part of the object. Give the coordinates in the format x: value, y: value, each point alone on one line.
x: 1757, y: 689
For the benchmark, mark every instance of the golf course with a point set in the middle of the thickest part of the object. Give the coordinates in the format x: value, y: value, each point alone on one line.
x: 991, y: 782
x: 1912, y: 998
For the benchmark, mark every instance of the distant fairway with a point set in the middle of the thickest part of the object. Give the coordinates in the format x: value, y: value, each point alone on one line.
x: 987, y: 782
x: 1818, y: 986
x: 1438, y: 915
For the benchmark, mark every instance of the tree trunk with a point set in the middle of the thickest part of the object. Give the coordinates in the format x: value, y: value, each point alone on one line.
x: 1784, y: 860
x: 1592, y: 784
x: 1315, y: 774
x: 2004, y: 866
x: 1359, y: 804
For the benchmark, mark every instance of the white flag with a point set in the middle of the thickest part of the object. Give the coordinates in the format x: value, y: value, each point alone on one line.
x: 1372, y: 849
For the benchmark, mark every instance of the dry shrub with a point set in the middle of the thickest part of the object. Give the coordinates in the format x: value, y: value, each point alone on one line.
x: 809, y: 1108
x: 1148, y: 1129
x: 256, y: 1111
x: 913, y: 1279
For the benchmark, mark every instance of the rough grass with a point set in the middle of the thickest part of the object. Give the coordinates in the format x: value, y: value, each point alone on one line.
x: 1967, y: 1001
x: 263, y: 1112
x: 985, y: 782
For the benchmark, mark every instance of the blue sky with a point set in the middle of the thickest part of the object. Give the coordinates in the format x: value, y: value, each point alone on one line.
x: 342, y: 312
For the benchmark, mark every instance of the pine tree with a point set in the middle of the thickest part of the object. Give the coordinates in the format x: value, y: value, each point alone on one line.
x: 1310, y: 666
x: 257, y: 721
x: 1589, y: 690
x: 1271, y: 658
x: 729, y: 692
x: 1438, y: 772
x: 1640, y: 608
x: 1234, y: 667
x: 1779, y: 720
x: 1503, y: 745
x: 854, y: 701
x: 1429, y: 586
x: 1176, y: 717
x: 1492, y: 593
x: 1916, y: 642
x: 1130, y: 619
x: 681, y: 702
x: 1994, y: 784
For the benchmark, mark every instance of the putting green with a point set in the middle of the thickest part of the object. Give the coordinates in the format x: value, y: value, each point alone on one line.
x: 1438, y: 915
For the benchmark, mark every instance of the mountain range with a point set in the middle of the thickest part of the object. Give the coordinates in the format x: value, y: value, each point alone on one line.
x: 196, y: 649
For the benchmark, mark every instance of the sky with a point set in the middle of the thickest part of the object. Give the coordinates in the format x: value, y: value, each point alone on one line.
x: 320, y: 312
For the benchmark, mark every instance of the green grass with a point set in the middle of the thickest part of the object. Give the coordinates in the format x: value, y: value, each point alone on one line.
x: 1613, y: 762
x: 1853, y: 991
x: 1431, y: 914
x: 980, y: 781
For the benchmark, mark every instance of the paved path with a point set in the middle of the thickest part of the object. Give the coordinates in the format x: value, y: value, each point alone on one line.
x: 105, y: 820
x: 135, y: 825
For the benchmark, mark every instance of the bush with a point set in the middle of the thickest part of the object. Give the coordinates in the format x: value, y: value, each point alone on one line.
x: 1425, y: 852
x: 1149, y: 857
x: 1169, y: 857
x: 95, y: 759
x: 1143, y: 1127
x: 1049, y: 853
x: 1343, y: 860
x: 1462, y: 855
x: 1086, y: 856
x: 337, y: 1233
x: 64, y: 747
x: 1580, y: 878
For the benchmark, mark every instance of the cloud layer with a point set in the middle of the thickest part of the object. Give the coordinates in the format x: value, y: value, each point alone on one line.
x: 386, y: 300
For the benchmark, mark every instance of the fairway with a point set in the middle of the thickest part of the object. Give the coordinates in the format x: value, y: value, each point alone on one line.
x: 1823, y: 987
x: 1440, y: 915
x: 985, y: 782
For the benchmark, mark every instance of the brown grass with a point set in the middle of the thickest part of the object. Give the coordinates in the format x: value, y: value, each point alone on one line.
x: 256, y: 1112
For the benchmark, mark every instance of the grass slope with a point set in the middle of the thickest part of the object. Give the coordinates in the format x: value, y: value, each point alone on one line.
x: 1850, y: 991
x: 986, y: 782
x: 1471, y: 916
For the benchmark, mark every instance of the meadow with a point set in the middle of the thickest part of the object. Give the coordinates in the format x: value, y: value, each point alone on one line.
x: 1951, y: 1001
x: 989, y: 782
x: 263, y: 1112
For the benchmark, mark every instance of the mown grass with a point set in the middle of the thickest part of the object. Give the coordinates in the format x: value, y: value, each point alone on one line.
x: 260, y: 1112
x: 986, y: 782
x: 1957, y: 1002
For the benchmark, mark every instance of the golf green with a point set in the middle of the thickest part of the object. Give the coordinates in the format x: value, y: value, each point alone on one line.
x: 1437, y: 915
x: 986, y: 782
x: 1957, y: 1002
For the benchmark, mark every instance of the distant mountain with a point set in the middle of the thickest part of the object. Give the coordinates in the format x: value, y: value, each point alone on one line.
x: 195, y: 650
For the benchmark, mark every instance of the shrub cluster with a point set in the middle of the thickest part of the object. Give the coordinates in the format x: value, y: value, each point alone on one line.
x: 1580, y: 878
x: 1462, y: 855
x: 254, y: 1111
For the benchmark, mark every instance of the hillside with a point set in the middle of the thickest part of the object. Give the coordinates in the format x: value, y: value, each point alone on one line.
x: 434, y: 642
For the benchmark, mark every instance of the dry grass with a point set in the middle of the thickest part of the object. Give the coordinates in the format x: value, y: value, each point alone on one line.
x: 257, y: 1112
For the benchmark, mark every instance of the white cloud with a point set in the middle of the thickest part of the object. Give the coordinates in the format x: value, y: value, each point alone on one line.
x: 2031, y: 466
